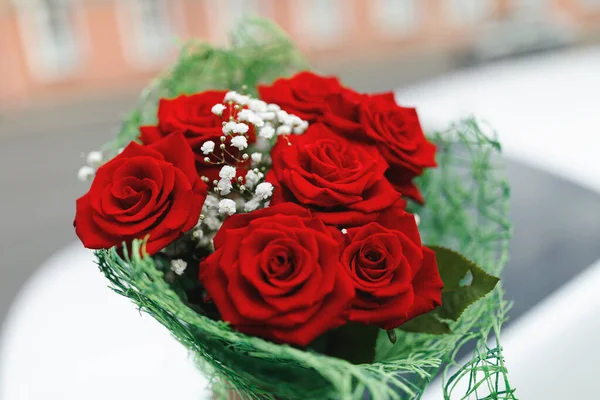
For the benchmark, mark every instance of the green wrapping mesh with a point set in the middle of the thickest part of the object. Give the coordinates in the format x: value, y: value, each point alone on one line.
x: 466, y: 209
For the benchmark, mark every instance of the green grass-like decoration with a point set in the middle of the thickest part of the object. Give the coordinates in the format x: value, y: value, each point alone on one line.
x: 466, y: 209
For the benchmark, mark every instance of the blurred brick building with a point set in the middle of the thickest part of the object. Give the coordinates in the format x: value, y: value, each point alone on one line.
x: 66, y: 49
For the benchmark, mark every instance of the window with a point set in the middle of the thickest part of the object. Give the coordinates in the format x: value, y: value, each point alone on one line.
x: 50, y: 35
x: 396, y: 17
x: 147, y: 30
x: 319, y: 22
x: 471, y: 11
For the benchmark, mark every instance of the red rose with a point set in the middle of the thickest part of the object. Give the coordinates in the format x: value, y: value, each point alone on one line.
x: 341, y: 181
x: 395, y: 277
x: 303, y: 94
x: 400, y: 139
x: 395, y: 130
x: 275, y: 273
x: 146, y: 190
x: 342, y: 114
x: 192, y: 116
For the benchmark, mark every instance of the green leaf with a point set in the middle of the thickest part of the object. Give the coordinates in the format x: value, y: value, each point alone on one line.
x: 353, y: 342
x: 426, y: 323
x: 456, y: 272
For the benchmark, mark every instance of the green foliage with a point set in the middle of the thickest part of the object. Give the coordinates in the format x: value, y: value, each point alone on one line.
x: 427, y: 323
x: 352, y: 342
x: 466, y: 210
x: 457, y: 296
x: 260, y: 52
x: 464, y: 284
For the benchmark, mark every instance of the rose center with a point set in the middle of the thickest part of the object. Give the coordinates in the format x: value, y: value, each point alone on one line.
x: 371, y: 263
x: 373, y: 256
x: 280, y: 266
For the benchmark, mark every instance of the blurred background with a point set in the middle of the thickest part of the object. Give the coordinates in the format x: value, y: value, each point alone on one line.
x: 71, y: 69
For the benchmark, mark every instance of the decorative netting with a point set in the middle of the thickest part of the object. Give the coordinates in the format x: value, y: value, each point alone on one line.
x: 466, y: 210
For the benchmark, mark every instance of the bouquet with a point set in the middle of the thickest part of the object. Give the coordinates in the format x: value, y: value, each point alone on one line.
x: 303, y: 240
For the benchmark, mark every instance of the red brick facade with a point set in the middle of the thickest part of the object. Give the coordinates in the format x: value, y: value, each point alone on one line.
x: 68, y: 48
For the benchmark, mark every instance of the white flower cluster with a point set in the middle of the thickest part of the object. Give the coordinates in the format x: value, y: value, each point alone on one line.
x: 262, y: 194
x: 94, y: 160
x: 232, y: 193
x: 279, y: 122
x: 245, y: 113
x: 209, y: 222
x: 242, y: 116
x: 269, y: 119
x: 178, y: 266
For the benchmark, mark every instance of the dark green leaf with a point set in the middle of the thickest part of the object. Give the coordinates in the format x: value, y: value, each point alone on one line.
x: 353, y: 342
x: 426, y: 323
x: 464, y: 282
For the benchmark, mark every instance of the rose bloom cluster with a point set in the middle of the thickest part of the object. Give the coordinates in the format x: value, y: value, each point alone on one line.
x: 295, y: 203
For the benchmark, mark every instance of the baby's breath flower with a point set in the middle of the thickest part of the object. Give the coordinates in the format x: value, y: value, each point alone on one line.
x: 295, y: 120
x: 284, y: 130
x: 256, y: 120
x: 256, y: 157
x: 242, y: 99
x: 212, y: 222
x: 240, y: 128
x: 264, y: 190
x: 227, y: 172
x: 224, y: 186
x: 299, y: 125
x: 273, y: 107
x: 267, y: 116
x: 231, y: 96
x: 252, y: 179
x: 257, y: 105
x: 417, y: 219
x: 251, y: 205
x: 284, y: 117
x: 85, y: 173
x: 240, y: 142
x: 218, y: 109
x: 94, y: 159
x: 229, y: 127
x: 267, y: 131
x: 245, y: 115
x: 227, y: 206
x: 208, y: 147
x: 211, y: 201
x: 178, y: 266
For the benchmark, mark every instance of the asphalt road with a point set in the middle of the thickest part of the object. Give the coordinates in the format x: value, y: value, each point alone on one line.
x: 557, y: 224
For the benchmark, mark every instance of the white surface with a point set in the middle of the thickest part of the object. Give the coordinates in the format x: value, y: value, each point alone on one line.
x: 68, y: 337
x: 546, y: 111
x: 552, y: 351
